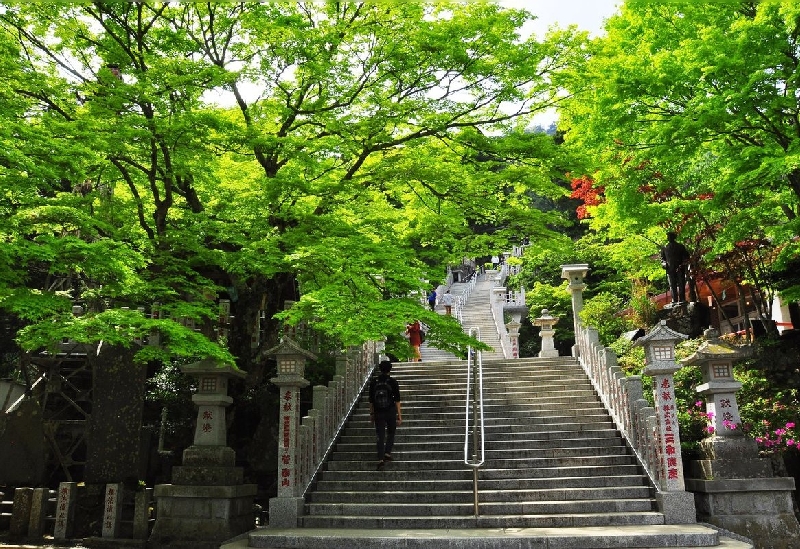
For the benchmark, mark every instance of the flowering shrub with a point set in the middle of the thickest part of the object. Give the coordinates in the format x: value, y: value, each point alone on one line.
x: 695, y: 425
x: 774, y: 441
x: 769, y: 413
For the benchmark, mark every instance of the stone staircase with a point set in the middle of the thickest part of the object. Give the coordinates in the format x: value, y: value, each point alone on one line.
x: 476, y: 314
x: 557, y: 473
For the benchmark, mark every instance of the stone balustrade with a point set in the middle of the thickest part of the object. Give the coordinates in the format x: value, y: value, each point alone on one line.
x: 652, y: 433
x: 332, y: 404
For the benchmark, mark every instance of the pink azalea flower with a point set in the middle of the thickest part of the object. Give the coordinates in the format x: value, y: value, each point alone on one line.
x: 790, y: 425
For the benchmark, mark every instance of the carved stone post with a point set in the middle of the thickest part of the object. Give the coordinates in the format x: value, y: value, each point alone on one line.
x: 676, y: 504
x: 575, y: 275
x: 287, y: 507
x: 516, y: 310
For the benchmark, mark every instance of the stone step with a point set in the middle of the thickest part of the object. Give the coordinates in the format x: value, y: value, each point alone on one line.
x: 518, y: 422
x: 447, y: 462
x: 460, y: 472
x: 440, y: 522
x: 358, y: 444
x: 553, y: 458
x: 368, y: 508
x: 498, y: 411
x: 465, y: 495
x: 652, y: 536
x: 454, y: 452
x: 363, y: 483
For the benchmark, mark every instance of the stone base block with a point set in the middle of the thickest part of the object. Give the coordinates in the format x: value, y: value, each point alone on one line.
x: 198, y: 515
x: 211, y: 456
x: 207, y: 476
x: 730, y: 468
x: 285, y: 512
x: 757, y: 508
x: 677, y: 507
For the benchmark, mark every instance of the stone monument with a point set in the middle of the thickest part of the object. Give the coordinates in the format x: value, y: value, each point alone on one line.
x: 207, y: 502
x: 734, y: 488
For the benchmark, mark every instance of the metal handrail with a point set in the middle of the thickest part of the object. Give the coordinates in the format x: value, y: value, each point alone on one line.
x: 474, y: 407
x: 461, y: 299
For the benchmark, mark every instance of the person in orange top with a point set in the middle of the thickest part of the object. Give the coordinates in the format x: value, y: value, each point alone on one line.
x: 415, y: 339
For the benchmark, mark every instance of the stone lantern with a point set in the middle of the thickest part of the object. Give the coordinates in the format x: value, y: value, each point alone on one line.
x: 659, y: 347
x: 211, y: 399
x: 733, y: 487
x: 516, y: 311
x: 207, y: 502
x: 546, y: 323
x: 726, y: 448
x: 715, y: 358
x: 285, y: 509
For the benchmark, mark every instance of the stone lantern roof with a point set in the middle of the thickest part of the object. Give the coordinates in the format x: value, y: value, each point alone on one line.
x: 714, y: 349
x: 660, y: 333
x: 545, y: 319
x: 212, y: 366
x: 288, y: 346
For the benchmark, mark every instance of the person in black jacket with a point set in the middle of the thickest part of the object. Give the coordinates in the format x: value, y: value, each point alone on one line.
x: 675, y: 259
x: 385, y: 410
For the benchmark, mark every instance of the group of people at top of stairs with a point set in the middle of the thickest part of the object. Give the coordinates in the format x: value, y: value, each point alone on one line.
x: 448, y: 300
x: 414, y: 331
x: 385, y: 410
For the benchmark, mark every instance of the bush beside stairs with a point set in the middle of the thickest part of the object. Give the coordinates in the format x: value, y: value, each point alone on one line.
x: 557, y: 472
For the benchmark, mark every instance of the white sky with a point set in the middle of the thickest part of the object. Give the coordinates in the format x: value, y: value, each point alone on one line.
x: 586, y: 14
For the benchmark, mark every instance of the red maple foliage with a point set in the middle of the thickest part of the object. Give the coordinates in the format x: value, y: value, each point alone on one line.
x: 583, y: 188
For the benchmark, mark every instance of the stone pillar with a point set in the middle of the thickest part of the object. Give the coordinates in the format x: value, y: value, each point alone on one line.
x: 208, y: 501
x: 38, y: 511
x: 513, y: 337
x: 287, y: 507
x: 676, y: 504
x: 21, y: 513
x: 65, y: 510
x: 112, y: 510
x: 546, y: 331
x: 517, y: 311
x: 733, y: 487
x: 575, y: 275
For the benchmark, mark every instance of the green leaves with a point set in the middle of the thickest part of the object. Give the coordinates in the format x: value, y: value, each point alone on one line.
x: 689, y: 114
x: 335, y: 155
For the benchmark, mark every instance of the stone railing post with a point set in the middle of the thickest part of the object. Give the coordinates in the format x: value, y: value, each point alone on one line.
x: 575, y: 274
x: 676, y: 504
x: 497, y: 299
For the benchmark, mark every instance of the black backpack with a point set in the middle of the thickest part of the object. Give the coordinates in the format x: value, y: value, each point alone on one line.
x: 382, y: 397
